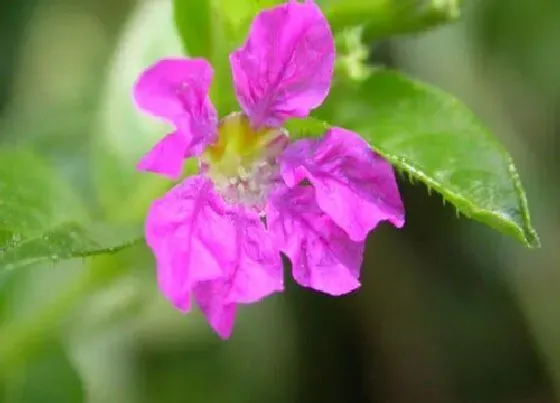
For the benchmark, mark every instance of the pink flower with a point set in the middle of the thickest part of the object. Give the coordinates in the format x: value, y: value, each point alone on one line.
x: 217, y: 236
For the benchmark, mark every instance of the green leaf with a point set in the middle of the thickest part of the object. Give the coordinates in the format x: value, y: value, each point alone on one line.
x: 238, y: 14
x: 193, y: 21
x: 66, y: 241
x: 383, y: 18
x: 435, y: 139
x: 41, y: 219
x: 212, y: 29
x: 301, y: 128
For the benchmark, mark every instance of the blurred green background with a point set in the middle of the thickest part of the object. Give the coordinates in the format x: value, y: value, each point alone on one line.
x: 450, y: 311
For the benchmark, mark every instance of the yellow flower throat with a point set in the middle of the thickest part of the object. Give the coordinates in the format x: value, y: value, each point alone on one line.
x: 242, y: 163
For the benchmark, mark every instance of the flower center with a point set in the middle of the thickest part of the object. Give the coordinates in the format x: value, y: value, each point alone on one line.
x: 242, y: 163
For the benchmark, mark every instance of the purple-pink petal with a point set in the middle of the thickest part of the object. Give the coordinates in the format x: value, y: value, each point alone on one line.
x: 166, y: 157
x: 285, y: 68
x: 256, y: 271
x: 323, y: 256
x: 188, y: 232
x: 176, y: 90
x: 353, y: 185
x: 220, y: 316
x: 252, y: 272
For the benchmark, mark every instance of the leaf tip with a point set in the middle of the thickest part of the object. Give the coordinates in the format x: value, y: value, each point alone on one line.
x: 532, y: 239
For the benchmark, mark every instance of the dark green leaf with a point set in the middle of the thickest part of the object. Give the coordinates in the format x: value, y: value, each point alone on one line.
x: 41, y: 219
x: 434, y: 138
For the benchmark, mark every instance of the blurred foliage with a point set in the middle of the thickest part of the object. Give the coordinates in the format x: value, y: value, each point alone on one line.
x: 449, y: 311
x: 50, y: 377
x: 42, y: 219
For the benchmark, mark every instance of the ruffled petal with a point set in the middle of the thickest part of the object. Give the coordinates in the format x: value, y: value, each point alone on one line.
x: 219, y: 315
x: 323, y: 256
x: 285, y: 68
x: 167, y: 157
x: 188, y: 231
x: 253, y: 271
x: 353, y: 185
x: 257, y: 268
x: 176, y: 90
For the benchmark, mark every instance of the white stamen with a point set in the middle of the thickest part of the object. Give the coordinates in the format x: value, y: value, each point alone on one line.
x: 243, y: 173
x: 247, y: 180
x: 253, y: 186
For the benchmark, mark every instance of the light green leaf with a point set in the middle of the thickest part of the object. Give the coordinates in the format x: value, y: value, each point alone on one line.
x: 41, y: 219
x: 383, y: 18
x: 212, y: 29
x: 435, y: 139
x: 301, y: 128
x: 238, y: 14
